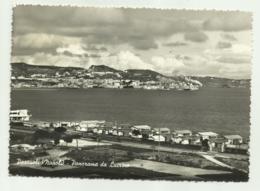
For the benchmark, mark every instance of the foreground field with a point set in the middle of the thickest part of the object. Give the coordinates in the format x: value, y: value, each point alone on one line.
x: 121, y: 163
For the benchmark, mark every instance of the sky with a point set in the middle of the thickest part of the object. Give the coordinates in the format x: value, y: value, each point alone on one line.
x: 172, y: 42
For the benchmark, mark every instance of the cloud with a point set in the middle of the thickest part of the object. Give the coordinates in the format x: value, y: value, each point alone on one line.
x: 94, y: 55
x: 196, y: 37
x: 39, y: 42
x: 208, y: 64
x: 128, y: 38
x: 74, y: 49
x: 225, y: 22
x: 137, y: 27
x: 223, y: 45
x: 95, y: 48
x: 179, y: 65
x: 50, y: 59
x: 175, y: 44
x: 237, y: 54
x: 144, y: 43
x: 166, y: 65
x: 234, y: 59
x: 68, y: 53
x: 122, y: 60
x: 128, y: 60
x: 229, y: 37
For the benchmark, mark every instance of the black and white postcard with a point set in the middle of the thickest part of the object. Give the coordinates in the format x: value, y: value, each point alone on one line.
x: 125, y: 93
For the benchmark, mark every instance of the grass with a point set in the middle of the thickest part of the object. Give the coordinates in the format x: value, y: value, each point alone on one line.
x: 236, y: 163
x: 122, y: 173
x: 118, y: 153
x: 184, y: 158
x: 99, y: 154
x: 96, y: 172
x: 235, y: 176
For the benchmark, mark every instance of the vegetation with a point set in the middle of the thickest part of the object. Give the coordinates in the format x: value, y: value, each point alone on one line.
x: 183, y: 158
x: 242, y: 164
x: 99, y: 155
x: 93, y: 172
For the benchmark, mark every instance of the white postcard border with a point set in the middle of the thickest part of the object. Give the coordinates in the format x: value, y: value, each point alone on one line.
x: 24, y: 183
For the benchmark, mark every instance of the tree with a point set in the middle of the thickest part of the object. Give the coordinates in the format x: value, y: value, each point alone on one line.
x: 56, y: 141
x: 60, y: 129
x: 68, y: 139
x: 40, y: 134
x: 205, y: 144
x: 136, y: 132
x: 145, y: 136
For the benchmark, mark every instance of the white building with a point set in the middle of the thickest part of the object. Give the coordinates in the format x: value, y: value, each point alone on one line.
x: 158, y: 138
x: 182, y: 133
x: 208, y: 135
x: 141, y: 127
x: 91, y: 123
x: 163, y: 130
x: 233, y: 139
x: 21, y: 115
x: 83, y: 129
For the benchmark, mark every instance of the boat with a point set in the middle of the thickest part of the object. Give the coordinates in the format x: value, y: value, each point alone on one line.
x: 19, y: 116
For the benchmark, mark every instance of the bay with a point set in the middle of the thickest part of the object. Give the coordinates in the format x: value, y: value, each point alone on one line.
x: 221, y: 110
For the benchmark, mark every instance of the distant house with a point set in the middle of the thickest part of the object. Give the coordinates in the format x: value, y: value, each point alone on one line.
x: 162, y: 131
x: 217, y: 144
x: 207, y: 135
x: 158, y: 138
x: 186, y: 140
x: 83, y: 129
x: 177, y: 140
x: 182, y: 133
x: 181, y: 137
x: 21, y: 115
x: 195, y: 140
x: 122, y: 129
x: 141, y: 131
x: 65, y: 124
x: 136, y: 83
x: 233, y: 139
x: 141, y: 127
x: 91, y: 123
x: 126, y: 132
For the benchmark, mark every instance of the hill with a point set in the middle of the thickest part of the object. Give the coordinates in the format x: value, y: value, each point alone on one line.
x: 223, y: 82
x: 26, y: 70
x: 106, y: 72
x: 102, y: 68
x: 142, y: 75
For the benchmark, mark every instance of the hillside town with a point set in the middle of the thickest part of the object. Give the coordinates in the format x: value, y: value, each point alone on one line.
x: 101, y: 77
